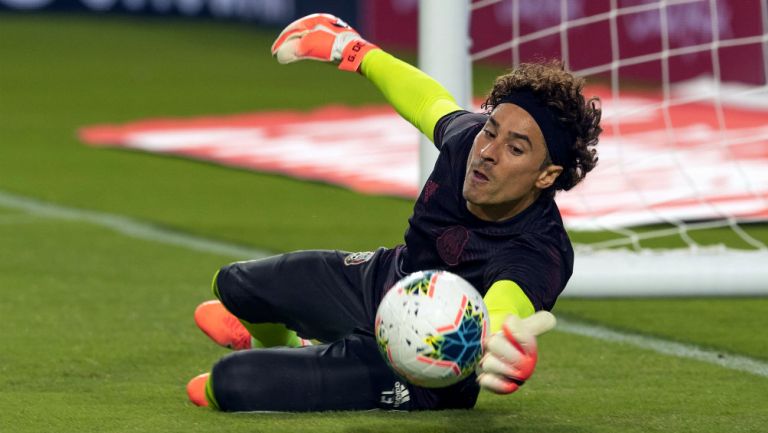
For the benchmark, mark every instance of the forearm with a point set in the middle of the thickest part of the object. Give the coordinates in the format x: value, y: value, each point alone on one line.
x: 504, y: 298
x: 416, y: 96
x: 511, y: 350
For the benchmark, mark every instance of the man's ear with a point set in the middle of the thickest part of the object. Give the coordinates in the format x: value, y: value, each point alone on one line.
x: 548, y: 176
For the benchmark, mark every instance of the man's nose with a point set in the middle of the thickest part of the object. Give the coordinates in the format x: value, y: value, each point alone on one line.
x: 488, y: 152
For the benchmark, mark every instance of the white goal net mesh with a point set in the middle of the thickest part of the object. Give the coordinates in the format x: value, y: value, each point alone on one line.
x: 677, y: 202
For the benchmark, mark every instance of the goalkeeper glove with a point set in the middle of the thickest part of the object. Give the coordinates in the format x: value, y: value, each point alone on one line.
x: 510, y: 355
x: 321, y: 37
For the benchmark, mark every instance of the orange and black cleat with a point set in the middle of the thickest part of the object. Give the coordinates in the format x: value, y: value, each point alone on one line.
x: 196, y: 390
x: 222, y: 326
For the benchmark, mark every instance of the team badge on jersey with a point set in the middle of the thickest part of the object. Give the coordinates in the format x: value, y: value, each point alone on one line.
x: 353, y: 259
x: 451, y: 244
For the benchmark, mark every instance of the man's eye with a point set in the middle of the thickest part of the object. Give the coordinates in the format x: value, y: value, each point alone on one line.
x: 516, y: 150
x: 488, y: 133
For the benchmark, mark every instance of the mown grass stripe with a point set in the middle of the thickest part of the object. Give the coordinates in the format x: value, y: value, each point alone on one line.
x: 666, y: 347
x: 129, y: 227
x: 144, y: 231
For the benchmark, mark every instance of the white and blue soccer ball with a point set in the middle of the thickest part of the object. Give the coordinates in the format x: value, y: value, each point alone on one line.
x: 430, y: 327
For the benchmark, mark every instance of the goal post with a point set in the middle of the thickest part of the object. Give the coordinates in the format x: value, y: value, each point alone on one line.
x: 444, y: 45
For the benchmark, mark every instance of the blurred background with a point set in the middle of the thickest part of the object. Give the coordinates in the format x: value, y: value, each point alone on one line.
x: 115, y: 211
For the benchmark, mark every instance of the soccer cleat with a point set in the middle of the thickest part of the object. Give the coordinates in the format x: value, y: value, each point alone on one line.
x: 196, y: 390
x: 222, y: 326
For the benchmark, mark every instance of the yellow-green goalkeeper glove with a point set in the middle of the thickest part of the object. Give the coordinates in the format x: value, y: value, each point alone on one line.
x: 511, y: 354
x: 321, y: 37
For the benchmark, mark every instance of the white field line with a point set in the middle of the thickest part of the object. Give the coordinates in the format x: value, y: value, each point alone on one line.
x: 129, y: 227
x: 680, y: 350
x: 139, y: 230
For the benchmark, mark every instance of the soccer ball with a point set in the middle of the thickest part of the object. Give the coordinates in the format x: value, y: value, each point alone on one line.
x: 430, y: 327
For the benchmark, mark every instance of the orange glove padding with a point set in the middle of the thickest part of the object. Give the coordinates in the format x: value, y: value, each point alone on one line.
x: 322, y: 37
x: 511, y: 355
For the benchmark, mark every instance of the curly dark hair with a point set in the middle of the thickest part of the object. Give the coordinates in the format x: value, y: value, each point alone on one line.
x: 561, y: 90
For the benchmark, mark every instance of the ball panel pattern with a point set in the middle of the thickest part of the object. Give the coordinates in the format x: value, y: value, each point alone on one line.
x: 429, y: 328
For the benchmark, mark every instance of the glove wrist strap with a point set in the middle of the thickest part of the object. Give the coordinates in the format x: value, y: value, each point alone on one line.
x: 353, y: 53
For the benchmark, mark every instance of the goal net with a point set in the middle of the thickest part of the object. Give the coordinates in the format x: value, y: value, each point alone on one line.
x: 678, y: 202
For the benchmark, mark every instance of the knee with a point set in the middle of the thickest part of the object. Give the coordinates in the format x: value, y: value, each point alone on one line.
x: 224, y: 381
x: 235, y: 287
x: 215, y: 285
x: 223, y: 280
x: 233, y: 384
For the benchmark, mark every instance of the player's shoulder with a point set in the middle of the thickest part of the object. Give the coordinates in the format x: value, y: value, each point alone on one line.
x: 541, y: 229
x: 458, y: 127
x: 541, y: 218
x: 540, y: 264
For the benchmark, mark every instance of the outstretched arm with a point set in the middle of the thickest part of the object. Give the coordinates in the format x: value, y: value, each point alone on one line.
x: 415, y: 95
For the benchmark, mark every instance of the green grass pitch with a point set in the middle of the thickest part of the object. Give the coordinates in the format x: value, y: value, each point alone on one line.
x: 96, y: 331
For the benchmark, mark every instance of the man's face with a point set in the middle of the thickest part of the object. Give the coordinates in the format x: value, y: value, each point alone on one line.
x: 505, y: 169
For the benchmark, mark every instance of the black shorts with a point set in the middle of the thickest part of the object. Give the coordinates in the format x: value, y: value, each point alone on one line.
x: 329, y: 296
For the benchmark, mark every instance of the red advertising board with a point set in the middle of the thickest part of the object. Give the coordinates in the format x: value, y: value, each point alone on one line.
x: 649, y: 171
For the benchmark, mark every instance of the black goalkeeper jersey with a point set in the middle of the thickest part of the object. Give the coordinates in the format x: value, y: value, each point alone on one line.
x: 532, y: 248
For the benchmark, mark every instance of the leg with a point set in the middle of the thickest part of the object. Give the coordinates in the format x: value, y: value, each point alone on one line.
x: 311, y: 292
x: 322, y: 296
x: 348, y: 374
x: 338, y: 376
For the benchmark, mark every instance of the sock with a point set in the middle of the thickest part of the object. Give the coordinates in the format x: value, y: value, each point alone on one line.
x: 212, y: 403
x: 271, y: 335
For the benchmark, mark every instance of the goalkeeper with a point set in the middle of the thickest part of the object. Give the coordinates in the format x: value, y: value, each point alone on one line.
x: 487, y: 213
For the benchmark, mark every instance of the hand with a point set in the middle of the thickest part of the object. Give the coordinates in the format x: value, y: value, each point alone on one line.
x: 321, y: 37
x: 511, y: 354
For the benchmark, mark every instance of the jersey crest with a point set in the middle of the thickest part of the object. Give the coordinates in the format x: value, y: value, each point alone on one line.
x: 451, y: 244
x: 353, y: 259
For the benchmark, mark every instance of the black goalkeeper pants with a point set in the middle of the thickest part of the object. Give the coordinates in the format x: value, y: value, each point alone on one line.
x: 329, y: 296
